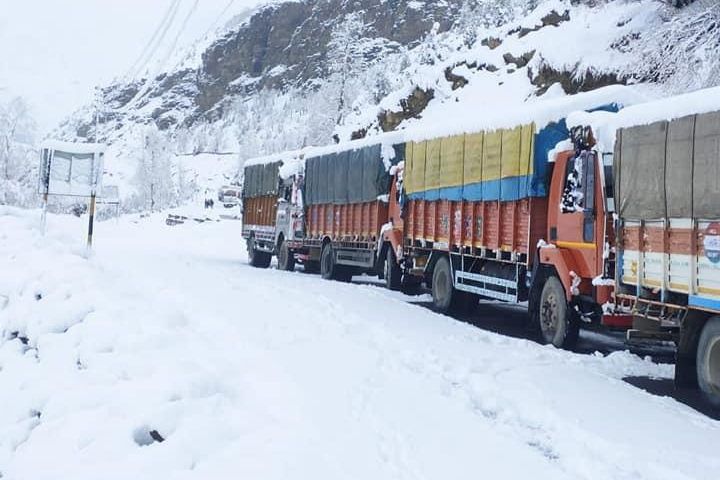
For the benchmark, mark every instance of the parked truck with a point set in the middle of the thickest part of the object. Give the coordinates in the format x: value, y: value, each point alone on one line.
x: 667, y: 193
x: 507, y: 215
x: 328, y: 217
x: 486, y: 215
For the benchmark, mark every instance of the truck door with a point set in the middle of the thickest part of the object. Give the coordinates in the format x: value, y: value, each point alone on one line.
x: 575, y: 207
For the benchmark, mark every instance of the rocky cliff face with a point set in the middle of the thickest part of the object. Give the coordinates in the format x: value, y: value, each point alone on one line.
x: 279, y: 46
x: 287, y: 43
x: 260, y: 83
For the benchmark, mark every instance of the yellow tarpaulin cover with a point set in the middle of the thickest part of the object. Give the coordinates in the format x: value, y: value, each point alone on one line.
x: 468, y: 159
x: 432, y: 165
x: 491, y: 156
x: 473, y: 158
x: 451, y: 161
x: 408, y: 179
x: 419, y: 154
x: 511, y: 153
x: 526, y: 149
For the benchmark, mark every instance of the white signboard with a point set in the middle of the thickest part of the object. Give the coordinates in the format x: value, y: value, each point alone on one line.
x: 110, y: 194
x: 71, y: 169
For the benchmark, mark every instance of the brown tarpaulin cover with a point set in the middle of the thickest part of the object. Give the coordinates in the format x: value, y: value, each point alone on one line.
x: 669, y: 169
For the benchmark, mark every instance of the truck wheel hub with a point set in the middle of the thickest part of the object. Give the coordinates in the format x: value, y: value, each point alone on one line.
x: 549, y: 314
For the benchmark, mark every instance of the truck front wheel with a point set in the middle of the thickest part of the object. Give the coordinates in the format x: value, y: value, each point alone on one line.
x: 445, y: 298
x: 393, y: 273
x: 286, y: 259
x: 557, y: 327
x: 708, y: 361
x: 257, y: 258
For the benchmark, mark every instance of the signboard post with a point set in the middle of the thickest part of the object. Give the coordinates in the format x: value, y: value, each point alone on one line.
x: 72, y: 170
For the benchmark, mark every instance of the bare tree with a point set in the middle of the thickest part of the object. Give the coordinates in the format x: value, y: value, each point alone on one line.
x: 155, y: 173
x: 682, y: 52
x: 347, y: 57
x: 16, y: 126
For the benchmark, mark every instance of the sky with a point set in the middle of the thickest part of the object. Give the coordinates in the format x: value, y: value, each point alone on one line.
x: 54, y: 52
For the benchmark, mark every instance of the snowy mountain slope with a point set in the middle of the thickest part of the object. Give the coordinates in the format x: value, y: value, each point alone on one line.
x: 54, y: 52
x: 166, y: 333
x: 556, y: 50
x: 283, y: 46
x: 269, y: 85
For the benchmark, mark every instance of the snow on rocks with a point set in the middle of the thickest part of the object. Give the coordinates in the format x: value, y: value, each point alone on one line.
x: 167, y: 334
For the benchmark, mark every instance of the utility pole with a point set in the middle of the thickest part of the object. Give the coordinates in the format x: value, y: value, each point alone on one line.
x: 93, y: 173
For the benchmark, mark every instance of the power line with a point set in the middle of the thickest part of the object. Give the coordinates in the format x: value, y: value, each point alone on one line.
x: 219, y: 17
x: 156, y: 40
x: 163, y: 32
x: 145, y: 50
x: 183, y: 27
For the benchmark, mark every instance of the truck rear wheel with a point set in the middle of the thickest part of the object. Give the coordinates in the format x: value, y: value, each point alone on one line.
x: 329, y: 270
x: 708, y: 361
x: 445, y: 298
x: 257, y: 258
x: 286, y: 258
x: 327, y: 262
x: 393, y: 273
x: 556, y: 324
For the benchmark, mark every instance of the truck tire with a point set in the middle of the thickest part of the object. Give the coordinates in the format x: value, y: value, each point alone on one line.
x: 256, y: 258
x: 557, y: 327
x: 329, y: 270
x: 708, y: 361
x: 286, y: 258
x: 392, y: 271
x: 327, y: 262
x: 445, y: 298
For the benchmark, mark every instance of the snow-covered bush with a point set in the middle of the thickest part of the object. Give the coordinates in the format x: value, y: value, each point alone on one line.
x: 682, y: 52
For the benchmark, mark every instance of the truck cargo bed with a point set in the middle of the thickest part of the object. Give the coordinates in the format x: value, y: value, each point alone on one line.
x: 505, y: 230
x: 259, y: 211
x: 672, y: 256
x: 358, y: 222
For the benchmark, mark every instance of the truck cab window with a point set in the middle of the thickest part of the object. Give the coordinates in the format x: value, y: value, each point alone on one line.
x: 579, y: 192
x: 572, y: 197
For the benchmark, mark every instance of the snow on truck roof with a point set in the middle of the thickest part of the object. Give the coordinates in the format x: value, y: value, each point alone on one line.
x: 541, y: 112
x: 77, y: 148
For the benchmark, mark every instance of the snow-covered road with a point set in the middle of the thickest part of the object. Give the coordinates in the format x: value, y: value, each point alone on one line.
x: 263, y: 374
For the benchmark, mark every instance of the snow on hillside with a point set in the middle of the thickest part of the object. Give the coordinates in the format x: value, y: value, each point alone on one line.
x: 499, y: 78
x: 55, y: 52
x: 166, y: 356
